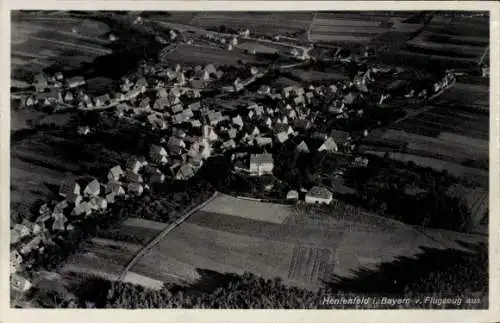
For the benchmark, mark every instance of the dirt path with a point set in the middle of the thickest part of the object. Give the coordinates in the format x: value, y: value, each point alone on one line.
x: 161, y: 235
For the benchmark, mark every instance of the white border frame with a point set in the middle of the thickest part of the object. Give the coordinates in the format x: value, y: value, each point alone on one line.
x: 53, y: 315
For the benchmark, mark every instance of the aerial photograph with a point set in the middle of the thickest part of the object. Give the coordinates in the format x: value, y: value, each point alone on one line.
x: 249, y: 159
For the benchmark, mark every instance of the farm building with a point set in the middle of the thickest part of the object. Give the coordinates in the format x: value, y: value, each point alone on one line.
x: 319, y: 195
x: 292, y: 195
x: 261, y: 164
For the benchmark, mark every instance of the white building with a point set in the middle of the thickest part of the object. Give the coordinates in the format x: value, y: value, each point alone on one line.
x: 261, y: 164
x: 319, y: 195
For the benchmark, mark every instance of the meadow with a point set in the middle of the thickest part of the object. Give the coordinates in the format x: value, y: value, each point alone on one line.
x: 451, y: 40
x: 300, y: 250
x: 262, y: 23
x: 54, y: 39
x: 202, y: 55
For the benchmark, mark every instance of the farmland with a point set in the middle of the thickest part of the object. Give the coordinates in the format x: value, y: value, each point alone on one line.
x: 450, y: 41
x: 202, y: 55
x: 40, y: 42
x: 310, y: 75
x: 268, y: 240
x: 355, y: 28
x: 282, y: 23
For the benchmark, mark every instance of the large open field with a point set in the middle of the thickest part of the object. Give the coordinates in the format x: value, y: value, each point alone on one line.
x: 355, y: 28
x: 451, y: 40
x: 267, y: 23
x: 204, y: 54
x: 232, y: 236
x: 38, y: 42
x: 453, y: 134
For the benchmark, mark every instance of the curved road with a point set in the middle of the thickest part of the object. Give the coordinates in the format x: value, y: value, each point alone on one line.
x: 161, y: 235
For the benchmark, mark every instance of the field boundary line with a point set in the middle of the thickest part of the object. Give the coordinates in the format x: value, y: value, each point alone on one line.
x: 162, y: 234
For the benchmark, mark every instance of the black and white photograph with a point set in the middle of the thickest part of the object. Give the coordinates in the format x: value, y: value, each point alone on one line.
x: 249, y: 159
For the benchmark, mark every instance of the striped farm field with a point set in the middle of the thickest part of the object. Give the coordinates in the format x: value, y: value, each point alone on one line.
x: 303, y: 254
x: 258, y: 22
x: 104, y: 257
x: 452, y: 40
x: 202, y: 55
x: 40, y: 41
x: 474, y: 175
x: 310, y: 264
x: 356, y: 28
x: 254, y: 210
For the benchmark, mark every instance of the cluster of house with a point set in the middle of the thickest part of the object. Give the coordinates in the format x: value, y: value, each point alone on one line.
x: 55, y: 89
x: 74, y: 203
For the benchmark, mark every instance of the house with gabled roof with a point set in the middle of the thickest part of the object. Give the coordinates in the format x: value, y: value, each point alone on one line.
x: 92, y: 189
x: 98, y: 203
x: 261, y: 164
x: 161, y: 93
x: 60, y: 207
x: 115, y: 173
x: 281, y: 137
x: 263, y: 141
x: 75, y: 81
x: 209, y: 133
x: 238, y: 121
x: 329, y: 145
x: 59, y: 222
x: 319, y: 195
x: 69, y: 185
x: 74, y: 198
x: 82, y: 209
x: 184, y: 172
x: 134, y: 164
x: 102, y: 100
x: 229, y: 144
x: 302, y: 147
x: 161, y: 103
x: 19, y: 282
x: 158, y: 154
x: 15, y: 261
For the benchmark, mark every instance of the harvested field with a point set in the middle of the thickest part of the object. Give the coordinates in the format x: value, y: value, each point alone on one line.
x: 257, y: 22
x: 451, y: 40
x: 333, y: 27
x: 474, y: 175
x: 458, y: 149
x: 41, y: 41
x: 138, y: 279
x: 202, y: 55
x: 301, y: 254
x: 264, y: 47
x: 267, y: 212
x: 314, y: 75
x: 105, y: 258
x: 310, y: 264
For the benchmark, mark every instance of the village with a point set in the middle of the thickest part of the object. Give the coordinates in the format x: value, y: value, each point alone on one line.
x: 192, y: 112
